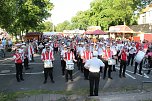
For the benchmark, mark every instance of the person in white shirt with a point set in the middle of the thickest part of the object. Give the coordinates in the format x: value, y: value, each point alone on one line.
x: 80, y: 53
x: 63, y: 63
x: 94, y: 65
x: 132, y: 52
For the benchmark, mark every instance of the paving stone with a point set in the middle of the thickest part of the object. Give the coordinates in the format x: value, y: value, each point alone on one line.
x: 46, y: 97
x: 32, y: 98
x: 39, y: 97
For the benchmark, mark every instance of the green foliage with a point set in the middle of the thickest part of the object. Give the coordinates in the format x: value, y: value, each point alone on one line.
x: 23, y: 15
x: 107, y: 13
x: 63, y: 26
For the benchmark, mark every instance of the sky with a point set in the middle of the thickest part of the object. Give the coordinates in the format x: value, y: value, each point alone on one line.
x: 66, y: 9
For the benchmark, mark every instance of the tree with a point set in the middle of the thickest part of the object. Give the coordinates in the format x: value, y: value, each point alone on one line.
x: 19, y: 16
x: 63, y: 26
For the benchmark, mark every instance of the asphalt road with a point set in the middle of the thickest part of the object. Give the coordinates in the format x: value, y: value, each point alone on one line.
x: 34, y: 78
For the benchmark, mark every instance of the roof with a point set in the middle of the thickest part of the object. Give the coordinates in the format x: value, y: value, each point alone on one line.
x: 120, y: 29
x: 33, y: 33
x: 145, y: 28
x: 95, y: 32
x: 147, y: 8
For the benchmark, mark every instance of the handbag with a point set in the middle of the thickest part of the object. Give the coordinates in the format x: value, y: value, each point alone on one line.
x: 48, y: 64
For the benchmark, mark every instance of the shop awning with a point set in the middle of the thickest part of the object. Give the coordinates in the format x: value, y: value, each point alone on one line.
x: 120, y: 29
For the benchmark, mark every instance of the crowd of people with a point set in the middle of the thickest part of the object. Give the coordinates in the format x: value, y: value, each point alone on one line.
x: 86, y: 55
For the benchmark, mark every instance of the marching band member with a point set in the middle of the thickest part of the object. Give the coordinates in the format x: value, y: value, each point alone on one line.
x: 106, y: 56
x: 30, y: 52
x: 56, y: 45
x: 48, y: 58
x: 63, y: 63
x: 40, y: 48
x: 80, y: 50
x: 132, y: 52
x: 94, y: 65
x: 141, y: 61
x: 18, y: 63
x: 25, y: 56
x: 69, y: 58
x: 87, y: 55
x: 149, y: 55
x: 100, y: 50
x: 114, y: 51
x: 123, y: 61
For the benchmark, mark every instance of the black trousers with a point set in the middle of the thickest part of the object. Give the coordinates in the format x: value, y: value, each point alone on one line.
x: 80, y: 64
x: 94, y: 79
x: 48, y: 71
x: 19, y: 71
x: 26, y: 63
x: 69, y: 72
x: 122, y: 68
x: 109, y: 67
x: 131, y: 58
x: 140, y: 67
x: 86, y: 73
x: 63, y: 65
x: 150, y: 66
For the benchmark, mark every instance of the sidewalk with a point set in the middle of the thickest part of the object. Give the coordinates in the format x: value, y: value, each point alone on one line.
x: 142, y: 96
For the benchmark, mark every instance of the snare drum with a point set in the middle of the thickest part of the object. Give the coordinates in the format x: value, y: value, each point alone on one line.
x: 48, y: 64
x: 69, y: 65
x: 111, y: 61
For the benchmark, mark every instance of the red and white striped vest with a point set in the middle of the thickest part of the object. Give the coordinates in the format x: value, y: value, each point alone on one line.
x: 69, y: 56
x: 87, y: 55
x: 47, y: 55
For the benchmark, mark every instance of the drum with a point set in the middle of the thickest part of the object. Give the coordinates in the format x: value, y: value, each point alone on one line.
x: 48, y: 64
x: 111, y: 61
x: 140, y: 55
x: 69, y: 65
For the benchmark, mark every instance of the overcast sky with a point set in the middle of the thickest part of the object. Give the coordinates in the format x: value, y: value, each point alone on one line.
x: 65, y: 9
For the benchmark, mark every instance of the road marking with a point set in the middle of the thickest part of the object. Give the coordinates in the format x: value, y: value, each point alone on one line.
x: 29, y: 64
x: 127, y: 74
x: 24, y: 73
x: 145, y: 75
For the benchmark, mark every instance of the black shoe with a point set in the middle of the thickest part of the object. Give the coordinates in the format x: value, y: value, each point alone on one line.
x: 22, y: 79
x: 44, y: 82
x: 86, y: 79
x: 71, y: 79
x: 53, y: 81
x: 114, y: 70
x: 120, y: 76
x: 124, y: 76
x: 140, y: 73
x: 18, y: 80
x: 110, y: 77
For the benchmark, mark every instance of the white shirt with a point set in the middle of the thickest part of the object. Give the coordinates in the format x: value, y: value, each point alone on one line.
x: 100, y: 51
x: 94, y: 64
x: 132, y: 50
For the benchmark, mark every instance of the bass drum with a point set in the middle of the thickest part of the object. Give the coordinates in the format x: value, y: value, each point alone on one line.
x: 140, y: 55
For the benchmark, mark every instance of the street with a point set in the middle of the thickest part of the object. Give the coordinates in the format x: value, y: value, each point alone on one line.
x: 34, y: 77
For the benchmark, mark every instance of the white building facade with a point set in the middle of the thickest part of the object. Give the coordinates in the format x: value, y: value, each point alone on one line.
x: 146, y: 16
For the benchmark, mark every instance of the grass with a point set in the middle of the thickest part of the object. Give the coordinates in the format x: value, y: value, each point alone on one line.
x: 11, y: 96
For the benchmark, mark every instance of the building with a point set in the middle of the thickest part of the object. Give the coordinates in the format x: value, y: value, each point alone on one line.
x: 146, y: 16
